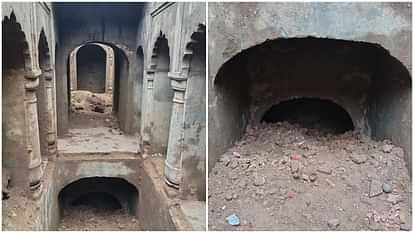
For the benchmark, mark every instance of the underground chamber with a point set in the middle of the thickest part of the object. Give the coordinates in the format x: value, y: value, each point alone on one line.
x: 99, y: 203
x: 301, y: 123
x: 347, y: 85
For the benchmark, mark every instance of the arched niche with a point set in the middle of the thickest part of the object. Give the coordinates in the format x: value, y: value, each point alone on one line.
x: 162, y: 96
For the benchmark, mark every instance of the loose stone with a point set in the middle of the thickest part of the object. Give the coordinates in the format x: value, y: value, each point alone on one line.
x: 359, y: 158
x: 325, y: 170
x: 333, y: 223
x: 375, y: 188
x: 259, y: 181
x: 387, y: 148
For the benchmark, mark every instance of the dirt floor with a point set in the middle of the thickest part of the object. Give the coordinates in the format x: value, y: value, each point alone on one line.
x: 90, y: 218
x: 93, y: 131
x: 17, y: 211
x: 283, y: 177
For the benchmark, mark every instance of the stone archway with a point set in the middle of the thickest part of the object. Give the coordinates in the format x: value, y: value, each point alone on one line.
x: 105, y: 197
x: 21, y: 145
x: 188, y: 116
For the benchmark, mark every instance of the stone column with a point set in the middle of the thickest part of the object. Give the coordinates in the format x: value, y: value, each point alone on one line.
x: 149, y: 101
x: 109, y: 70
x: 32, y: 133
x: 172, y: 169
x: 51, y: 131
x: 73, y: 67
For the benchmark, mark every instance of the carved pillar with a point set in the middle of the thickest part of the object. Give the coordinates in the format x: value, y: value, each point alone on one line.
x: 172, y: 169
x: 109, y: 70
x: 32, y: 133
x: 149, y: 101
x: 51, y: 131
x: 73, y: 67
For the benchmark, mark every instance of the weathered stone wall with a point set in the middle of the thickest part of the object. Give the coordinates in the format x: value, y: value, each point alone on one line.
x: 153, y: 204
x: 21, y: 143
x: 177, y: 23
x: 235, y: 27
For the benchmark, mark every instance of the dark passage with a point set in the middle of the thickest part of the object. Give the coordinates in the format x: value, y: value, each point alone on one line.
x: 311, y: 113
x: 91, y: 62
x: 97, y: 200
x: 99, y: 203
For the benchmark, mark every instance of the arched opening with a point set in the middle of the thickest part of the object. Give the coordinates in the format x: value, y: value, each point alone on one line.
x: 14, y: 149
x: 91, y: 68
x: 93, y: 83
x: 312, y: 117
x: 99, y: 203
x: 98, y: 120
x: 162, y: 97
x: 349, y: 73
x: 312, y: 113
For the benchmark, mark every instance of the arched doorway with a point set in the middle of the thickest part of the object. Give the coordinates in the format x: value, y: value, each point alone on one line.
x: 91, y: 68
x: 96, y: 72
x: 161, y: 98
x: 98, y: 120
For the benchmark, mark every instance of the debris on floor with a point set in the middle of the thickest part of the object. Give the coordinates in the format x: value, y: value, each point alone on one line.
x: 85, y: 218
x: 86, y: 101
x: 291, y: 178
x: 18, y: 211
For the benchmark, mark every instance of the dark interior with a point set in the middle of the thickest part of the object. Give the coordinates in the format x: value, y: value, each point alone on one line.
x: 99, y: 193
x: 91, y: 68
x: 311, y: 113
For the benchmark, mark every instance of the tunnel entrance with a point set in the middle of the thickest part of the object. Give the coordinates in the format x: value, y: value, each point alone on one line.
x: 337, y: 132
x: 99, y: 203
x: 312, y: 113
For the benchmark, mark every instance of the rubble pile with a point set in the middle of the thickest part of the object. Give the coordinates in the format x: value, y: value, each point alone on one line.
x: 86, y: 101
x: 284, y: 177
